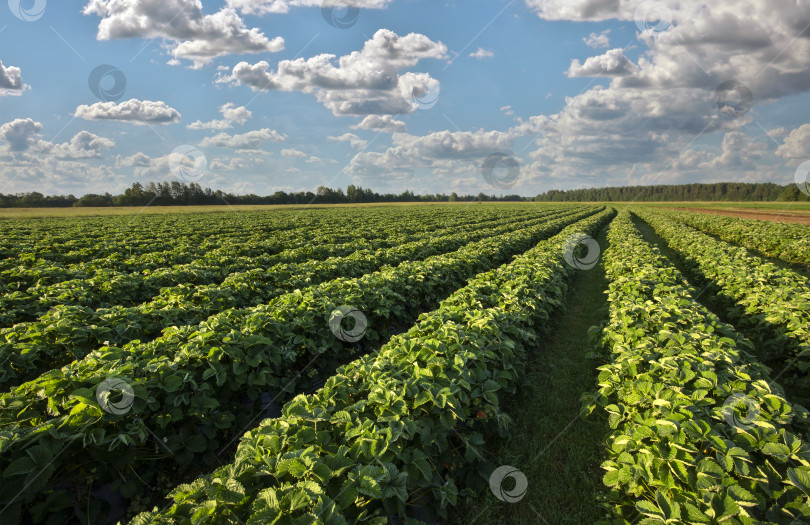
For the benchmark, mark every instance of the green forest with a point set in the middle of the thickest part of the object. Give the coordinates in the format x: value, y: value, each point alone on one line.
x: 180, y: 194
x: 721, y: 191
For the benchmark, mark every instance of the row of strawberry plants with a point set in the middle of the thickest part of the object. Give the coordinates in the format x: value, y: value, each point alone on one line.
x: 374, y: 444
x: 789, y: 242
x: 105, y: 238
x: 701, y: 434
x: 338, y: 269
x: 55, y: 238
x: 249, y: 244
x: 196, y: 387
x: 20, y: 273
x: 111, y: 241
x: 68, y: 333
x: 180, y: 240
x: 771, y: 304
x: 185, y: 240
x: 106, y: 287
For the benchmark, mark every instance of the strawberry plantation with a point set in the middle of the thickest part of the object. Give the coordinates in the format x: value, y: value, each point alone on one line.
x: 507, y: 363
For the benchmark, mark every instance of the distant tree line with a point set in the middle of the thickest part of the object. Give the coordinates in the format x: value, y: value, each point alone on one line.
x: 721, y: 191
x: 179, y: 194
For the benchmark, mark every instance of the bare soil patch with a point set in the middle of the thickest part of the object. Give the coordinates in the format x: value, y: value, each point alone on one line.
x: 797, y: 217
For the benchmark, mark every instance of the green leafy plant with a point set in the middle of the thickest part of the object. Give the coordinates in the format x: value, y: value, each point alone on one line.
x: 789, y: 242
x: 684, y: 448
x: 771, y: 304
x: 68, y: 333
x: 195, y: 387
x: 376, y: 438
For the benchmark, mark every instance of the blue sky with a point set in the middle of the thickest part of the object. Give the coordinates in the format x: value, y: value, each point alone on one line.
x: 267, y: 95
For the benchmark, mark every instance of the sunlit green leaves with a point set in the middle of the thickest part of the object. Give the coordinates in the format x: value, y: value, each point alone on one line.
x: 405, y: 419
x: 688, y: 397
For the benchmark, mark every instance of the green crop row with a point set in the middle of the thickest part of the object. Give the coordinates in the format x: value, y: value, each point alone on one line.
x: 789, y: 242
x: 26, y: 270
x: 49, y: 239
x: 249, y: 244
x: 375, y: 444
x: 143, y: 243
x: 70, y: 333
x: 110, y: 239
x: 106, y: 287
x: 196, y: 387
x: 701, y: 434
x: 771, y: 304
x: 114, y: 242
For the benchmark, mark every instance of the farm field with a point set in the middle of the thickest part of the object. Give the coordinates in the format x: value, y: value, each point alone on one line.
x: 776, y: 211
x: 785, y: 214
x: 799, y: 209
x: 128, y: 211
x: 767, y: 206
x: 454, y: 364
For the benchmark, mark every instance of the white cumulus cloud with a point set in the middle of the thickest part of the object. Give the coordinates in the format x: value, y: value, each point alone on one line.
x: 250, y: 141
x: 21, y: 134
x: 135, y: 111
x: 289, y: 152
x: 482, y: 53
x: 364, y: 82
x: 192, y: 35
x: 381, y: 123
x: 597, y: 41
x: 612, y: 63
x: 796, y: 144
x: 83, y: 145
x: 11, y: 82
x: 232, y: 115
x: 262, y: 7
x: 442, y: 150
x: 355, y: 141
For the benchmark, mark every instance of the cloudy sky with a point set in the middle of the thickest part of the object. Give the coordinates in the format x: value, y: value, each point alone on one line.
x: 499, y: 96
